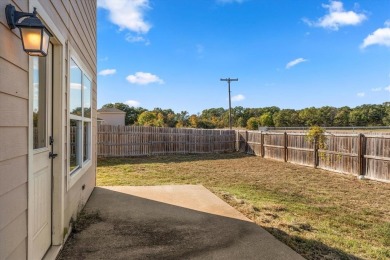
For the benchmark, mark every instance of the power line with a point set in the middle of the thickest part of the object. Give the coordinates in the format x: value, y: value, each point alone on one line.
x: 230, y: 101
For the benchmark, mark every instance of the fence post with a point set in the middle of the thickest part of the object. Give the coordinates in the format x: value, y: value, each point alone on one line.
x: 237, y: 141
x: 118, y: 147
x: 285, y: 147
x: 315, y: 153
x: 262, y: 151
x: 246, y: 141
x: 361, y: 149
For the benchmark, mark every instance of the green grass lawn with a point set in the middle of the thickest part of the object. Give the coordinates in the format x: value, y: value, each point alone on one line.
x: 319, y: 214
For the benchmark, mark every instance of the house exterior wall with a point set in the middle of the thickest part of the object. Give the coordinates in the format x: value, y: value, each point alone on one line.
x: 76, y: 20
x: 112, y: 118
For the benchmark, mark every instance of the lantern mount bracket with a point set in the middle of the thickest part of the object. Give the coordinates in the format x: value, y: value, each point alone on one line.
x: 14, y: 16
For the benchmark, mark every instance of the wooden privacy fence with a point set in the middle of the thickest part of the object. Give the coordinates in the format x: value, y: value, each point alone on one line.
x: 357, y: 154
x: 122, y: 141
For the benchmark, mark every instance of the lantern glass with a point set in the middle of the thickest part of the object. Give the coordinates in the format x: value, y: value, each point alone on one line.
x: 45, y: 41
x: 32, y: 38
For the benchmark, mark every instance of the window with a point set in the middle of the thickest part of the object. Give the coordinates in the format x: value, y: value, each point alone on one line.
x: 80, y: 118
x: 39, y: 102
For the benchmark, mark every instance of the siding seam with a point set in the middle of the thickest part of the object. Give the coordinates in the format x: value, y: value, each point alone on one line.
x: 13, y: 64
x: 16, y: 186
x: 14, y: 219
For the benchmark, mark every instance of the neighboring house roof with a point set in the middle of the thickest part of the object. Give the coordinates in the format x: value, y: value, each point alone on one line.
x: 99, y: 119
x: 110, y: 110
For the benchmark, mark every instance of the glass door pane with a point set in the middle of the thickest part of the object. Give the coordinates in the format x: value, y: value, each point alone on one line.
x: 39, y: 103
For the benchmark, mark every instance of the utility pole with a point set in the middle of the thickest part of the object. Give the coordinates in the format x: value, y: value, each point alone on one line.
x: 230, y: 101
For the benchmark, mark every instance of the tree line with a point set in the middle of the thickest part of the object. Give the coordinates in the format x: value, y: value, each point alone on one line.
x: 252, y: 118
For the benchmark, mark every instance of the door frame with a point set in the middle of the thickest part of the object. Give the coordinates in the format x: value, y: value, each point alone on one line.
x: 59, y: 135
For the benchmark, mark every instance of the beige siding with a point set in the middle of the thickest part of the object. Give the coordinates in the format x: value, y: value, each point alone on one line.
x: 12, y: 204
x: 13, y: 110
x: 112, y: 118
x: 13, y: 139
x: 13, y: 79
x: 13, y: 173
x: 12, y: 235
x: 13, y: 142
x: 76, y: 20
x: 20, y: 251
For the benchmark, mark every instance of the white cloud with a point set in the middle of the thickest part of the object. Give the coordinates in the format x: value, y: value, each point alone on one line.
x: 295, y: 62
x: 107, y: 72
x: 229, y: 1
x: 127, y: 14
x: 75, y: 86
x: 361, y: 94
x: 337, y: 17
x: 133, y: 103
x: 144, y: 78
x: 137, y: 38
x: 376, y: 89
x: 387, y: 88
x: 380, y: 37
x: 238, y: 97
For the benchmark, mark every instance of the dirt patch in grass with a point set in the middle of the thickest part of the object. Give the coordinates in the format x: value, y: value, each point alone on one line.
x: 319, y: 214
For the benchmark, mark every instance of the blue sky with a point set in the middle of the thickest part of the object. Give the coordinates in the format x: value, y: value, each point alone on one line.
x: 285, y: 53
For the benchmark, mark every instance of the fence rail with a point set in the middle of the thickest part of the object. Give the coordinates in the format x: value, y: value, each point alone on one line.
x: 357, y: 154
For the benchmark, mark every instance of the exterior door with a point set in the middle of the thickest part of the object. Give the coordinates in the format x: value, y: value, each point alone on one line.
x: 41, y: 192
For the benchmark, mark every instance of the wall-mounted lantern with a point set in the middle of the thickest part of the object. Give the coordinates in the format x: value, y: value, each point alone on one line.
x: 35, y: 36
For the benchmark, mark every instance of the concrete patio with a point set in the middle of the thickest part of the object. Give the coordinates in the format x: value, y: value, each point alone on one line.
x: 171, y: 222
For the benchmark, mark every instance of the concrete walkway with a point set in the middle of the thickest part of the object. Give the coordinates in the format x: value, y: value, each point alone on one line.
x: 172, y: 222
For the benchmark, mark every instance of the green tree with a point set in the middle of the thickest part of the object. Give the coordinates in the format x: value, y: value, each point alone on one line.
x: 309, y: 116
x: 238, y: 113
x: 357, y: 117
x: 386, y: 117
x: 342, y: 117
x: 148, y: 118
x: 193, y: 121
x: 286, y: 118
x: 375, y: 114
x: 253, y: 123
x: 182, y: 119
x: 326, y: 115
x: 266, y: 119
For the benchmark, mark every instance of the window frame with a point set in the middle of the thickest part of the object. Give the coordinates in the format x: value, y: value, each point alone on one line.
x: 74, y: 175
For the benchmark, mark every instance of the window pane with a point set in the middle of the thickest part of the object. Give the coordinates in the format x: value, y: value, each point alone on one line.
x: 75, y: 89
x: 87, y: 97
x: 87, y: 141
x: 75, y: 141
x: 39, y: 102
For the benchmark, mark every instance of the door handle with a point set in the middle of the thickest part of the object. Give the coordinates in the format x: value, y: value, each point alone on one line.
x: 52, y: 155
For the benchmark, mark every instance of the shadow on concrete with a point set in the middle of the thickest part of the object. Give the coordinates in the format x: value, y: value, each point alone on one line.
x: 133, y: 227
x: 170, y: 159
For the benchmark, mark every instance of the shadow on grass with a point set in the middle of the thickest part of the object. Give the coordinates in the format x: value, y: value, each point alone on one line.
x: 169, y: 158
x: 309, y: 248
